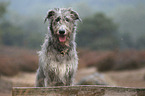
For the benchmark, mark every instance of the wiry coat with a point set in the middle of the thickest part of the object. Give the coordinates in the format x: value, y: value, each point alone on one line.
x: 58, y: 62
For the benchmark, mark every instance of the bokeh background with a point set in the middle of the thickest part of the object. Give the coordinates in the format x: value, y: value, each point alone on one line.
x: 110, y: 41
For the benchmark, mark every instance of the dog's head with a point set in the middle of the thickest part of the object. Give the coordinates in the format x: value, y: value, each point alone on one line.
x: 62, y: 23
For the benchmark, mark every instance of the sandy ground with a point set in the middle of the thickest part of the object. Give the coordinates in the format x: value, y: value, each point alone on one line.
x: 132, y: 78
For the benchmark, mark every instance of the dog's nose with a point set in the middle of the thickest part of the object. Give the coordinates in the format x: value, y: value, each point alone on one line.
x: 61, y: 31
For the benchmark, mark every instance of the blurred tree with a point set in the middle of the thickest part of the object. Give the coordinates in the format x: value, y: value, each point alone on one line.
x: 15, y: 35
x: 11, y: 35
x: 98, y: 32
x: 141, y: 42
x: 3, y: 8
x: 126, y: 41
x: 131, y: 21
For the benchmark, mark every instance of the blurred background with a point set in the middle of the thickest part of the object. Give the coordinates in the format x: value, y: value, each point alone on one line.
x: 110, y: 41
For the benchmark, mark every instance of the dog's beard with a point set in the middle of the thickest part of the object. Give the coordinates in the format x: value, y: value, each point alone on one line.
x: 63, y: 40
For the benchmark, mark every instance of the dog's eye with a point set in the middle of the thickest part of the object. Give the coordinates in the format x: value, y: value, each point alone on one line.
x: 67, y: 19
x: 57, y: 19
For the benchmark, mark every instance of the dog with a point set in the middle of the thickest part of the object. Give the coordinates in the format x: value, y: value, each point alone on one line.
x: 58, y: 60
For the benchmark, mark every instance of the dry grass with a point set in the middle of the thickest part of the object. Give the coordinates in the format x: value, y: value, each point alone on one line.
x: 128, y: 78
x: 89, y: 58
x: 129, y: 59
x: 112, y: 60
x: 13, y: 60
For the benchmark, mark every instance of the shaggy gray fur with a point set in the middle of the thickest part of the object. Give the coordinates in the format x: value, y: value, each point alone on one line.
x: 58, y: 61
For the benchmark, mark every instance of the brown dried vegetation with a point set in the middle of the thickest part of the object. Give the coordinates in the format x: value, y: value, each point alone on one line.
x: 112, y: 60
x: 13, y: 60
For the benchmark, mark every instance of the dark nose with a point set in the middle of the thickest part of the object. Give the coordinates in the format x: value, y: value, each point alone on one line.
x: 61, y: 31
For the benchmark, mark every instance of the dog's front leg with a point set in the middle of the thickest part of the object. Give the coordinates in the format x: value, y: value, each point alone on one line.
x: 39, y: 78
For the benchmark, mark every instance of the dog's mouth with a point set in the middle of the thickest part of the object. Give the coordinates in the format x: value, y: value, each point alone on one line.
x: 62, y: 38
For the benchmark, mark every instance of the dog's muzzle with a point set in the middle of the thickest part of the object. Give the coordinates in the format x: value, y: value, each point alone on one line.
x: 62, y: 35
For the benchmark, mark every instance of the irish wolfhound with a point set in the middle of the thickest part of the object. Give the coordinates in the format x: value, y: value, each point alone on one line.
x: 58, y: 58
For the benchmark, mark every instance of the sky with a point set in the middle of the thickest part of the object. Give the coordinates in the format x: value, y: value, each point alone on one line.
x: 41, y: 6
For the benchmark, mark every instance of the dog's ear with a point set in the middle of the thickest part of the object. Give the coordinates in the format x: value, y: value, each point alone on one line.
x: 50, y: 15
x: 75, y: 15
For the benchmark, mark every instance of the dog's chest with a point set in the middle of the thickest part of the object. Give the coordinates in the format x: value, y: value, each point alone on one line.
x: 59, y: 69
x: 61, y: 66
